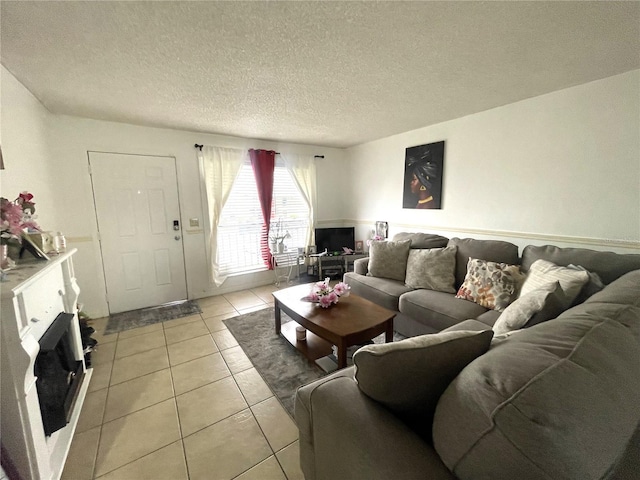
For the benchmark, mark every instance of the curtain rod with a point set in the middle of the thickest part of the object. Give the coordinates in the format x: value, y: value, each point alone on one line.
x: 199, y: 147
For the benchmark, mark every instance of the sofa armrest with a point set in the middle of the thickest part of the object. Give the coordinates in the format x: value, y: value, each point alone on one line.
x: 361, y: 265
x: 345, y: 434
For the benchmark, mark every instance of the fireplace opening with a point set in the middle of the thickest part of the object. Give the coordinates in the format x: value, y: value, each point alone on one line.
x: 59, y: 374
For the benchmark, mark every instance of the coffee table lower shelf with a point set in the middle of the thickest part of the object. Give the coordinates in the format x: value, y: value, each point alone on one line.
x: 313, y: 347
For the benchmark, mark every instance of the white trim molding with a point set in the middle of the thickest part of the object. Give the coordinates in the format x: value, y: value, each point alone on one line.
x: 598, y: 243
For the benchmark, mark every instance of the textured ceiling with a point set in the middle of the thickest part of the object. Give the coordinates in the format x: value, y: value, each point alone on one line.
x: 323, y: 73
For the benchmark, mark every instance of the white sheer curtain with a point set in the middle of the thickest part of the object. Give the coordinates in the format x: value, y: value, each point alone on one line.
x: 220, y: 167
x: 303, y: 171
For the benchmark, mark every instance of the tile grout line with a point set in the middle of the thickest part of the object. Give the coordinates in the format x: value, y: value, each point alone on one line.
x: 113, y: 361
x: 175, y: 403
x: 93, y: 476
x: 273, y: 395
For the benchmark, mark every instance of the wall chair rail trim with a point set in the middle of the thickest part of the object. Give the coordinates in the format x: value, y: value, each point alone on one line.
x: 592, y: 241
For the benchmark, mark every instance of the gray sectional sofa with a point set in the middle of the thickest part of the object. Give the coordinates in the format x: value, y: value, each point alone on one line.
x: 557, y: 400
x: 421, y: 311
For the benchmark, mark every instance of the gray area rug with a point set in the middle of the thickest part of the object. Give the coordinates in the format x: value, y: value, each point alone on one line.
x: 281, y: 366
x: 120, y: 322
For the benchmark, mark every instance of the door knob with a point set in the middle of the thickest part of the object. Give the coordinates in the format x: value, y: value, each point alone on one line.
x: 177, y: 237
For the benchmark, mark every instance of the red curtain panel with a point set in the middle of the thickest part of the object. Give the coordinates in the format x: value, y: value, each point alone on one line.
x: 263, y: 163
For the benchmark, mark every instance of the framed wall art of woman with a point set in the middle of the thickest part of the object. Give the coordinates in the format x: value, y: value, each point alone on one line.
x: 423, y: 172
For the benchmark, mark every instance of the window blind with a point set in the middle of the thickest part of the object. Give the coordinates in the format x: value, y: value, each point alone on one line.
x: 241, y: 220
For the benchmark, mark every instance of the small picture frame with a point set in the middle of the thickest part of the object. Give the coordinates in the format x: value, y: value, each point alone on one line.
x: 32, y: 248
x: 359, y: 246
x: 382, y: 229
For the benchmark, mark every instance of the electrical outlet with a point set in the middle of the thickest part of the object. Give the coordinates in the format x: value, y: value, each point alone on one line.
x: 194, y: 222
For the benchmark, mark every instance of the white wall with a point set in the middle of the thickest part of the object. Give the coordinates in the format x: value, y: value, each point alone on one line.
x: 59, y: 178
x: 558, y: 168
x: 25, y: 146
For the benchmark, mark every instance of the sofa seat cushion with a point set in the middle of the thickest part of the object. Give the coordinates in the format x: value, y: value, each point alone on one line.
x: 438, y: 309
x: 490, y: 317
x: 569, y: 411
x: 383, y: 291
x: 409, y: 376
x: 469, y: 325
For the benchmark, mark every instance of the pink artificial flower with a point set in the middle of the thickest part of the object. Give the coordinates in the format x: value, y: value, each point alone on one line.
x: 313, y: 297
x: 342, y: 289
x: 11, y: 218
x: 333, y: 298
x: 322, y: 288
x: 326, y: 301
x: 16, y: 216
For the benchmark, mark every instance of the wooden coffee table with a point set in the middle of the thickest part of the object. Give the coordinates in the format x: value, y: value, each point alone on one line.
x: 352, y: 321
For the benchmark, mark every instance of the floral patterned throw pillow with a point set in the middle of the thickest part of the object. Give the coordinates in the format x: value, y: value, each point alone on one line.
x: 491, y: 284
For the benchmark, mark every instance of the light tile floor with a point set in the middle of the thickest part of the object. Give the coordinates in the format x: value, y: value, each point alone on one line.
x: 180, y: 400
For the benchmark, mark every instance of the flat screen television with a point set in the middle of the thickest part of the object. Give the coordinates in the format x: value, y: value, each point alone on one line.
x: 333, y: 239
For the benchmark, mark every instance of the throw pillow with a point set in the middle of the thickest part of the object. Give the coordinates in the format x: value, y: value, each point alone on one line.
x: 408, y: 377
x: 433, y: 269
x: 555, y: 304
x: 594, y: 285
x: 543, y: 272
x: 520, y: 312
x: 490, y: 284
x: 389, y: 259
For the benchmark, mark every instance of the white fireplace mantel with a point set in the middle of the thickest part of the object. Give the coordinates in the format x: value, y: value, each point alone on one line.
x: 30, y: 300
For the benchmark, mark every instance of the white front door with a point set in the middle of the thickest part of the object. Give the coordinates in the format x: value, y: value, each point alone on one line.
x: 138, y: 212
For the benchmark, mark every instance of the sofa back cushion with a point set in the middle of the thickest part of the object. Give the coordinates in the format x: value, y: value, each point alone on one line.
x: 492, y: 250
x: 557, y: 400
x: 389, y: 259
x: 422, y: 240
x: 607, y: 265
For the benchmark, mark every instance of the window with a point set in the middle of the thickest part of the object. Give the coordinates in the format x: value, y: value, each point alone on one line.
x: 241, y: 220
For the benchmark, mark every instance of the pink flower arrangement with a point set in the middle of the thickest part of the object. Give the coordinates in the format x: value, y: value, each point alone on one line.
x: 17, y: 216
x: 376, y: 238
x: 326, y: 296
